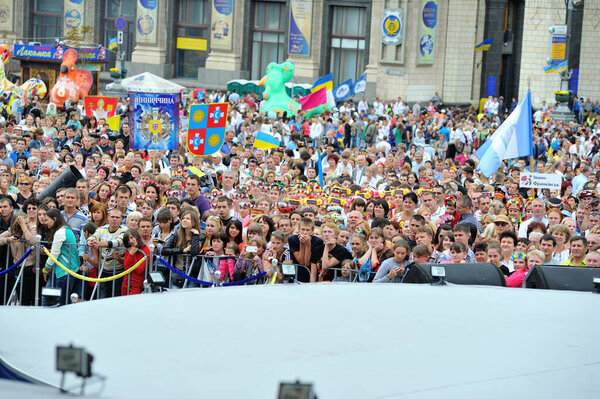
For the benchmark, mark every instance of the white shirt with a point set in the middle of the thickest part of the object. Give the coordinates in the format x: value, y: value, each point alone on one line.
x: 341, y: 168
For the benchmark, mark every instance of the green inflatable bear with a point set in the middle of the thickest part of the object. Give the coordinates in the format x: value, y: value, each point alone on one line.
x: 275, y: 96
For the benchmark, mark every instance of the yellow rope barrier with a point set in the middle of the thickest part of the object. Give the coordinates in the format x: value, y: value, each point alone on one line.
x: 274, y: 279
x: 94, y: 280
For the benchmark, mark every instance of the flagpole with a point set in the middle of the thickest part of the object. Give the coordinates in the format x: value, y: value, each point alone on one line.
x: 531, y: 156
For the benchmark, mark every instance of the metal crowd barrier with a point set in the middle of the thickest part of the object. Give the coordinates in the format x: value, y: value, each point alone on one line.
x: 201, y: 267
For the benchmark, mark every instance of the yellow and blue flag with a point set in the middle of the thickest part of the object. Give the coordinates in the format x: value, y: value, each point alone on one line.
x: 265, y: 141
x: 484, y: 45
x: 206, y: 132
x: 557, y: 68
x: 323, y: 82
x: 112, y: 43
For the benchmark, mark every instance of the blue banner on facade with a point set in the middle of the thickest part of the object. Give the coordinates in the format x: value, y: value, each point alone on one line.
x: 154, y: 120
x: 574, y: 84
x: 54, y: 52
x: 300, y: 27
x: 491, y: 86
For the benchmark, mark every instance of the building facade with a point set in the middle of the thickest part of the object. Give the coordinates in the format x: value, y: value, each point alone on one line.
x: 407, y: 48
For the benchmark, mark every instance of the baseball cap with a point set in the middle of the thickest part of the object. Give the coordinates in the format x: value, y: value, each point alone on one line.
x: 502, y: 218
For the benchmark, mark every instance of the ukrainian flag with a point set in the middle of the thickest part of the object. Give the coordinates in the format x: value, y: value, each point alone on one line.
x: 557, y: 68
x: 112, y: 43
x: 484, y: 45
x: 265, y: 141
x: 323, y: 82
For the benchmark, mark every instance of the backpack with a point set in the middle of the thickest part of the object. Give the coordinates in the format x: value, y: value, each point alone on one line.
x: 364, y: 273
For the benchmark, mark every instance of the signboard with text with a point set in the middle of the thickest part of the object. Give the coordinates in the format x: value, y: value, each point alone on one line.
x: 540, y: 180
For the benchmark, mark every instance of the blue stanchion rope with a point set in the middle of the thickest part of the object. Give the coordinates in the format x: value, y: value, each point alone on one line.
x: 259, y: 275
x: 206, y: 283
x: 183, y: 275
x: 18, y: 262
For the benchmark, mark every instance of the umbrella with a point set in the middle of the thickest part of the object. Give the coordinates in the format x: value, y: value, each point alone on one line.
x: 149, y: 83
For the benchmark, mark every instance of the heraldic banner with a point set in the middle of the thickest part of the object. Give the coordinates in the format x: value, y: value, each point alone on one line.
x: 100, y: 107
x: 154, y: 119
x: 206, y: 129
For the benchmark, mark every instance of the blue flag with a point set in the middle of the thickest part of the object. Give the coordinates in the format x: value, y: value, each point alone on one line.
x: 360, y: 85
x: 343, y: 91
x: 321, y: 181
x: 513, y: 139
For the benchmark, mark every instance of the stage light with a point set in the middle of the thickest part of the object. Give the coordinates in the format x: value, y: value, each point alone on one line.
x: 70, y: 359
x: 438, y: 272
x: 296, y: 390
x: 51, y: 296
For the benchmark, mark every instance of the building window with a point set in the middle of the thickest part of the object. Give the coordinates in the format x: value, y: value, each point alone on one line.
x: 193, y: 25
x: 268, y: 36
x: 348, y: 37
x: 109, y: 30
x: 47, y: 20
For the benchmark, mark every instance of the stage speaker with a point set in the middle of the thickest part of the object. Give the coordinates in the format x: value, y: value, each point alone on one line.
x: 458, y: 273
x: 67, y: 179
x: 571, y: 278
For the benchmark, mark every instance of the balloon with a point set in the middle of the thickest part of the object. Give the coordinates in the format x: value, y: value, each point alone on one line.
x: 276, y: 98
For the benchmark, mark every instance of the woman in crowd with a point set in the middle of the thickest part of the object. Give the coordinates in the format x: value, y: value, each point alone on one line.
x: 410, y: 202
x: 445, y: 245
x: 562, y: 234
x: 496, y: 256
x: 185, y: 242
x: 214, y: 224
x: 164, y: 229
x: 103, y: 193
x: 392, y: 269
x: 30, y: 207
x: 21, y: 236
x: 136, y: 250
x: 25, y: 186
x: 375, y: 255
x: 64, y: 250
x: 99, y: 214
x: 249, y: 263
x: 381, y: 208
x: 267, y: 225
x: 234, y: 232
x: 521, y: 268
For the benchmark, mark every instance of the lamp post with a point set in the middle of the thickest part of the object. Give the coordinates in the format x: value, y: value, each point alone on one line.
x: 563, y: 97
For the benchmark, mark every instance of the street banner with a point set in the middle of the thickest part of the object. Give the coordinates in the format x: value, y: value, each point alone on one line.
x: 300, y: 27
x: 154, y: 119
x: 147, y: 21
x: 101, y: 107
x: 427, y: 31
x: 221, y: 32
x: 206, y: 130
x: 74, y: 14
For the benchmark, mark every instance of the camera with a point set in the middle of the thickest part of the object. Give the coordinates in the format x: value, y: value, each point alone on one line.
x: 251, y: 249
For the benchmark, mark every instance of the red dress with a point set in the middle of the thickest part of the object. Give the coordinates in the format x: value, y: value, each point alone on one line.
x: 135, y: 279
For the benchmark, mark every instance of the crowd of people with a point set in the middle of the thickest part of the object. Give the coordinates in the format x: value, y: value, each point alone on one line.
x: 360, y: 193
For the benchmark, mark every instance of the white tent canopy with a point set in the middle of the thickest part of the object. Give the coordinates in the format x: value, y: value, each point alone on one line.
x: 149, y: 83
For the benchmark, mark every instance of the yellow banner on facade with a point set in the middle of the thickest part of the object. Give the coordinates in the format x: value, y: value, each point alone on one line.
x: 189, y: 43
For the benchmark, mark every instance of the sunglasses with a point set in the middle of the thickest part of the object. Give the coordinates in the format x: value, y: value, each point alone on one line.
x: 24, y: 184
x: 501, y: 224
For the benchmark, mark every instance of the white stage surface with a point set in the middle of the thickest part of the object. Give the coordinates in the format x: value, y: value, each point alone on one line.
x: 349, y: 340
